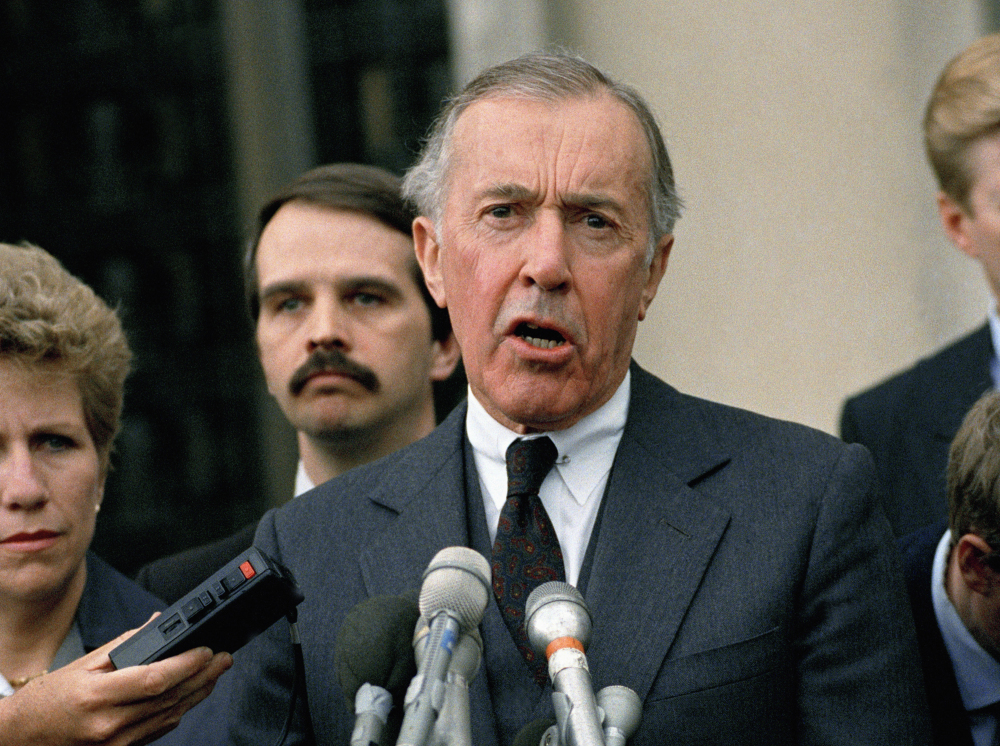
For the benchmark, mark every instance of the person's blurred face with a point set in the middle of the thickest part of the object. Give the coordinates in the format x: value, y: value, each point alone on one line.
x: 51, y: 483
x: 976, y: 229
x: 541, y: 254
x: 344, y: 335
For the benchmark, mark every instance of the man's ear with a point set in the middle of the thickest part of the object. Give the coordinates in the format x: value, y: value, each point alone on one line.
x: 444, y: 357
x: 657, y: 268
x: 955, y: 221
x: 428, y: 251
x: 976, y: 574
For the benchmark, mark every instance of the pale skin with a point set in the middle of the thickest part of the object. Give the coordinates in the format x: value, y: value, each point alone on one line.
x: 51, y: 484
x: 975, y: 228
x: 88, y: 702
x: 541, y: 254
x: 342, y: 280
x: 974, y: 590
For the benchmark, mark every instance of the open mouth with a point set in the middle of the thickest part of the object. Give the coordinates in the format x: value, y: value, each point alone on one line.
x: 538, y: 336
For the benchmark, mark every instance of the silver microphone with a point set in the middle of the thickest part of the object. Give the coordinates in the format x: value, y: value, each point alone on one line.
x: 453, y: 726
x: 622, y: 710
x: 371, y: 709
x: 559, y: 625
x: 453, y: 598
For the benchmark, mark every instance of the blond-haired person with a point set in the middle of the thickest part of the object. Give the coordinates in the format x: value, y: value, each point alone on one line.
x: 63, y: 362
x: 908, y: 421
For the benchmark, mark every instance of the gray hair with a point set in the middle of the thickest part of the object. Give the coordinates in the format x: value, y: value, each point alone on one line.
x: 541, y: 76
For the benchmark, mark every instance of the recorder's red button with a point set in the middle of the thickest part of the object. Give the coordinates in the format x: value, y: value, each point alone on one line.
x: 247, y: 569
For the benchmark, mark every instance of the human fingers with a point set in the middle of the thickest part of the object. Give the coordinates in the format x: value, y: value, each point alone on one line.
x: 168, y: 718
x: 98, y: 659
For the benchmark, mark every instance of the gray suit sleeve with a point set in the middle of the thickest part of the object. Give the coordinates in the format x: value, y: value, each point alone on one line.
x: 263, y: 676
x: 859, y: 678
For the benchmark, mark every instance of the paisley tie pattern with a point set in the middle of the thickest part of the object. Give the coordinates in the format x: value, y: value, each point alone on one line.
x: 526, y: 551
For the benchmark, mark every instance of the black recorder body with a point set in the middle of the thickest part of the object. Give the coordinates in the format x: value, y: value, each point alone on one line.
x: 224, y: 613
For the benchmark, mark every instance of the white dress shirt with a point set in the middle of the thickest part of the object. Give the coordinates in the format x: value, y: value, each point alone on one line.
x: 302, y: 481
x: 977, y: 672
x: 572, y: 491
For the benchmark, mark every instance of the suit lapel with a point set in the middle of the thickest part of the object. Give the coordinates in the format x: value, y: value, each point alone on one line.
x: 657, y: 535
x: 426, y: 492
x: 946, y: 396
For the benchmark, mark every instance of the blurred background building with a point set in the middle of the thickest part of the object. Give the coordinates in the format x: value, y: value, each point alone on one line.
x: 140, y: 136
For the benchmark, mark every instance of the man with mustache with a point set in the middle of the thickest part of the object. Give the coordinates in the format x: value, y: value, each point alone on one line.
x: 349, y: 339
x: 740, y: 575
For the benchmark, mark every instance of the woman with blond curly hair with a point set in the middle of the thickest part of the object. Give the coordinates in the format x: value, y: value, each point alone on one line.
x: 63, y: 362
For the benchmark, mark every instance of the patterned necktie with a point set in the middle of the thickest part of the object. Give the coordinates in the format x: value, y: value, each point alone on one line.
x: 526, y: 552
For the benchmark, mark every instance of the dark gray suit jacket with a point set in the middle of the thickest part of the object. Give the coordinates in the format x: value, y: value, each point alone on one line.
x: 742, y: 581
x: 909, y: 421
x: 949, y: 720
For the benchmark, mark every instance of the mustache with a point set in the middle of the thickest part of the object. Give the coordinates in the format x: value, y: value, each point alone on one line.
x: 332, y: 361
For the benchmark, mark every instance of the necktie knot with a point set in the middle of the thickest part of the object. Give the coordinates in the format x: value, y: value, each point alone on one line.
x: 528, y: 461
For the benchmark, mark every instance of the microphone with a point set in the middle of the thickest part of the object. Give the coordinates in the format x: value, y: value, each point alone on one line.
x: 374, y: 663
x: 559, y: 625
x: 454, y: 722
x: 371, y: 715
x: 622, y: 713
x: 453, y: 598
x: 541, y: 732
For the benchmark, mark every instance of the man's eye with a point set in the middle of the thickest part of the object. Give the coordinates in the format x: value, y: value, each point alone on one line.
x: 367, y: 299
x: 289, y: 305
x: 596, y: 221
x: 53, y: 442
x: 501, y: 212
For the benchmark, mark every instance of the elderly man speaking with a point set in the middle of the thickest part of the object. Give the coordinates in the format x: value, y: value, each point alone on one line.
x: 739, y: 574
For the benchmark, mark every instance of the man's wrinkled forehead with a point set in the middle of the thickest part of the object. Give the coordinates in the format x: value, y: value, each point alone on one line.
x: 601, y: 128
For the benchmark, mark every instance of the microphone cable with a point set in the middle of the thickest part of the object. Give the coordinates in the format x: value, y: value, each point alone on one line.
x: 298, y: 683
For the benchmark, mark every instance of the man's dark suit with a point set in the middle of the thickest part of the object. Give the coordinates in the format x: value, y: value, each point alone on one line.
x: 742, y: 581
x: 909, y: 421
x: 170, y: 578
x: 949, y: 721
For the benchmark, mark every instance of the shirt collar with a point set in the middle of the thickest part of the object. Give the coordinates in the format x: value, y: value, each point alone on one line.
x: 977, y: 672
x: 993, y: 316
x: 586, y: 449
x: 302, y: 481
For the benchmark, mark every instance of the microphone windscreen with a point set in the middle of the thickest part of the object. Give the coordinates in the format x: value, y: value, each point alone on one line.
x: 531, y: 734
x: 457, y: 580
x: 374, y: 646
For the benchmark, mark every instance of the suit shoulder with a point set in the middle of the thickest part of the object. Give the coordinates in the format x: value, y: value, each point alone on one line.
x: 733, y: 429
x: 971, y: 351
x: 390, y: 480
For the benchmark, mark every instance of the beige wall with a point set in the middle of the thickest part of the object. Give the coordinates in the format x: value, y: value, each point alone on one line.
x: 809, y: 262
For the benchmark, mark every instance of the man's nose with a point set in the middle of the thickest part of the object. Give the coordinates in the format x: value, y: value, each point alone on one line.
x: 329, y: 325
x: 21, y: 487
x: 546, y: 246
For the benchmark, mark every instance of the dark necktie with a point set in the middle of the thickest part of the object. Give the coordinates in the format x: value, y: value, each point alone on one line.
x: 526, y: 552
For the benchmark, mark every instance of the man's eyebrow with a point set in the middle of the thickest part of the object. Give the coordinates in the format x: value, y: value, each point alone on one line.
x: 507, y: 192
x: 519, y: 193
x: 289, y: 287
x: 594, y: 202
x: 370, y: 282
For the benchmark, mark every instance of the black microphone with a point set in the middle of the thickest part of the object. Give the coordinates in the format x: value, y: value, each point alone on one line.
x: 541, y: 732
x: 374, y: 662
x: 453, y: 599
x: 558, y: 625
